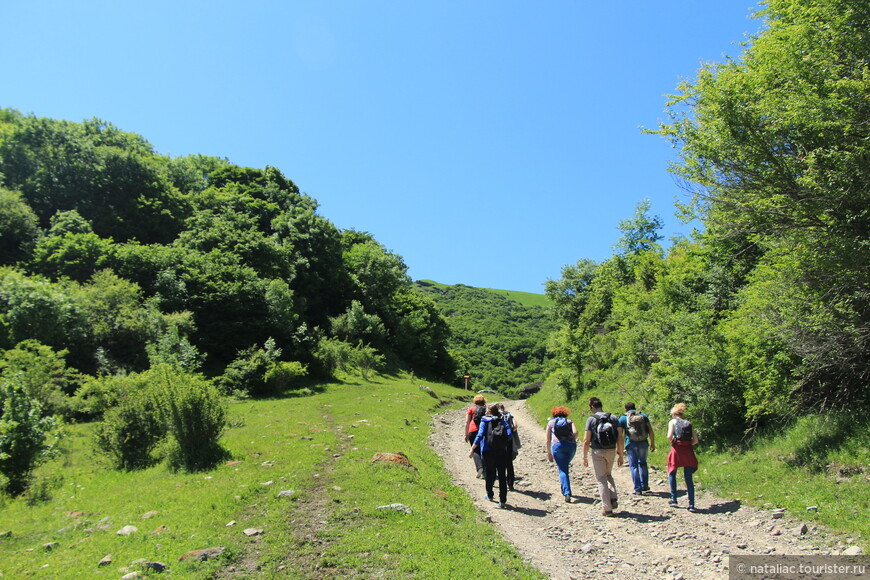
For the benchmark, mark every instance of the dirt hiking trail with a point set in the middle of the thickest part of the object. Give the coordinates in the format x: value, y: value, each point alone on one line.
x: 646, y: 538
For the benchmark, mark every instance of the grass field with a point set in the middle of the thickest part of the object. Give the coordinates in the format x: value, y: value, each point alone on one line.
x: 319, y: 449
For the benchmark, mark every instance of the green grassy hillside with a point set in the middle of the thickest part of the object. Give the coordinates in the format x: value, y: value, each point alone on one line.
x: 524, y: 298
x: 496, y: 339
x: 318, y: 449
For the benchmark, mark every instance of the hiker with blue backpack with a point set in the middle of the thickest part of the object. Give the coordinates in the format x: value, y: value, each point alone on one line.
x: 562, y: 445
x: 604, y: 438
x: 639, y: 441
x: 493, y: 442
x: 683, y: 439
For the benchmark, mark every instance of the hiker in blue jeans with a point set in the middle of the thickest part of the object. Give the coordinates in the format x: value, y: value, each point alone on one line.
x: 563, y: 449
x: 639, y: 441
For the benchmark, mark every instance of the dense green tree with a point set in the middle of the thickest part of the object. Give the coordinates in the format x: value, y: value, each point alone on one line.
x: 35, y: 308
x: 775, y: 146
x: 112, y: 178
x: 19, y: 227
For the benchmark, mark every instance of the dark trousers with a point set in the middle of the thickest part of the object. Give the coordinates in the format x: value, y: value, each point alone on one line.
x: 511, y: 477
x: 495, y: 463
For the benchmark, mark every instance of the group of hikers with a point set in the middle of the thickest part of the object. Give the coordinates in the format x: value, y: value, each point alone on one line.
x: 495, y: 443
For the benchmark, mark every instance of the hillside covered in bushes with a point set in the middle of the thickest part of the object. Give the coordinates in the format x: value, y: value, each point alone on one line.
x: 123, y: 271
x: 498, y: 342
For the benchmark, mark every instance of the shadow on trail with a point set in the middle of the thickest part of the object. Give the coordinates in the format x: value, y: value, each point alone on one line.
x: 540, y: 495
x: 534, y: 512
x: 640, y: 518
x: 583, y: 499
x: 722, y: 508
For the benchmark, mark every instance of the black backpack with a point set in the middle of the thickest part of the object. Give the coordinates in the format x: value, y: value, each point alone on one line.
x: 479, y: 412
x: 498, y: 434
x: 604, y: 432
x: 637, y: 427
x: 562, y: 428
x: 682, y: 430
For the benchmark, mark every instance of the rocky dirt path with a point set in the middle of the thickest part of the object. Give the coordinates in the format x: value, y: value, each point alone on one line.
x: 647, y: 538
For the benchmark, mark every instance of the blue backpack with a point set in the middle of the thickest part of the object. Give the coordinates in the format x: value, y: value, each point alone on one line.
x: 562, y: 428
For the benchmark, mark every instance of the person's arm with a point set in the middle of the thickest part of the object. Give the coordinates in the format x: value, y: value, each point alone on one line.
x: 587, y: 439
x: 620, y: 446
x: 671, y: 430
x: 694, y: 436
x: 478, y: 440
x: 549, y: 439
x: 652, y: 435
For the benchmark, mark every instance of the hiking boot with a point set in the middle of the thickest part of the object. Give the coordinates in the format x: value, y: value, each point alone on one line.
x: 614, y: 503
x: 692, y: 509
x: 480, y: 473
x: 672, y: 503
x: 645, y: 488
x: 500, y: 504
x: 637, y: 492
x: 567, y: 499
x: 606, y: 513
x: 488, y: 497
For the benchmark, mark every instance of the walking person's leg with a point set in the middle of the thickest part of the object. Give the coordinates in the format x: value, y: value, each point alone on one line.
x: 599, y: 466
x: 563, y: 453
x: 672, y: 480
x: 690, y: 485
x: 642, y: 454
x: 489, y: 473
x: 631, y: 451
x: 478, y: 460
x: 611, y: 484
x: 501, y: 463
x: 511, y: 477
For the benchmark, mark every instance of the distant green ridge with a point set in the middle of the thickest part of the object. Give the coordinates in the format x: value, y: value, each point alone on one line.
x: 524, y: 298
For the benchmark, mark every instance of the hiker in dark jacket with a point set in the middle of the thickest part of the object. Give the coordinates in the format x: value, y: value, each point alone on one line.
x: 494, y: 452
x: 514, y: 445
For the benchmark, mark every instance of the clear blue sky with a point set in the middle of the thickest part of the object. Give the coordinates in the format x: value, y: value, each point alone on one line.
x: 489, y: 143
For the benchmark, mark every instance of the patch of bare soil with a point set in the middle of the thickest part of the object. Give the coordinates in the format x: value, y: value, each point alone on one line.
x: 647, y: 538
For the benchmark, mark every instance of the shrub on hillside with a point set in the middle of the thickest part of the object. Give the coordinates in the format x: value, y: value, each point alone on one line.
x: 333, y: 355
x: 42, y: 373
x: 27, y: 439
x: 99, y: 394
x: 131, y: 431
x: 194, y: 414
x: 248, y: 374
x: 162, y: 405
x: 281, y: 375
